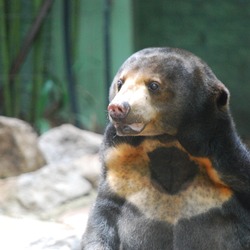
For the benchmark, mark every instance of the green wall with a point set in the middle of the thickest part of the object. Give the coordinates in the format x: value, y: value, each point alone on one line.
x: 122, y: 41
x: 217, y: 31
x: 89, y: 65
x: 39, y: 92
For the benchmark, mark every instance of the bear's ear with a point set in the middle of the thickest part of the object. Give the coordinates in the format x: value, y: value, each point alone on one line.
x: 222, y: 96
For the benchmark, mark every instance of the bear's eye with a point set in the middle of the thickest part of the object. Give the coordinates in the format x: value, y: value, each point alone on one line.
x: 153, y: 86
x: 119, y: 84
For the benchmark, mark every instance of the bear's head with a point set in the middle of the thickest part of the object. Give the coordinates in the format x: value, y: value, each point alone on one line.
x: 166, y: 91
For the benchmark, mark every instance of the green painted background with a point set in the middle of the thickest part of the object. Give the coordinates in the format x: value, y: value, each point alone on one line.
x: 217, y: 31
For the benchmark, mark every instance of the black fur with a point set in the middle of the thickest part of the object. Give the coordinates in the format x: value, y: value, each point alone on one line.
x: 166, y: 168
x: 186, y: 188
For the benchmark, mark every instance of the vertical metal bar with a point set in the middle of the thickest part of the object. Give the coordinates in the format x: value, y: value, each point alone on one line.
x: 107, y: 45
x: 68, y: 63
x: 4, y: 50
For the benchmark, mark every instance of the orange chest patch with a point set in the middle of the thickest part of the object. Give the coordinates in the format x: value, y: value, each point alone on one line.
x: 128, y: 175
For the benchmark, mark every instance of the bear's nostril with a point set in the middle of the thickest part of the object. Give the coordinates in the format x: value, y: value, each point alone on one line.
x: 118, y: 111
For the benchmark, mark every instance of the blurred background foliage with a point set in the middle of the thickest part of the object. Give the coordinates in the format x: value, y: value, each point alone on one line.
x: 58, y: 57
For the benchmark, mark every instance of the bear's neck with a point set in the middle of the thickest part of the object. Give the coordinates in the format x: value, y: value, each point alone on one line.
x: 231, y: 158
x: 223, y: 147
x: 170, y: 168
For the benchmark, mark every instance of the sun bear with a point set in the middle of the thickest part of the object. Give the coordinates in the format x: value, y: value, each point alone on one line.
x: 176, y: 175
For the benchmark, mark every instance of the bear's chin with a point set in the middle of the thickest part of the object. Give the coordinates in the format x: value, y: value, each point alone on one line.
x: 129, y: 129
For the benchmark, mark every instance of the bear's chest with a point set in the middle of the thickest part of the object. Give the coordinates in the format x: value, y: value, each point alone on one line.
x: 162, y: 182
x: 213, y: 230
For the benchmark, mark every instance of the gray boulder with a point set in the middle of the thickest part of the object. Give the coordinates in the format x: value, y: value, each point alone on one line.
x: 66, y: 143
x: 19, y: 152
x: 51, y: 186
x: 90, y: 168
x: 73, y: 171
x: 61, y: 190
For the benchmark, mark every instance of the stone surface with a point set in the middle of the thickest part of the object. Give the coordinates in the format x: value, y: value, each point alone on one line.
x: 90, y: 168
x: 58, y: 182
x: 61, y: 190
x: 19, y: 152
x: 65, y: 143
x: 63, y: 233
x: 51, y: 186
x: 36, y: 235
x: 43, y: 190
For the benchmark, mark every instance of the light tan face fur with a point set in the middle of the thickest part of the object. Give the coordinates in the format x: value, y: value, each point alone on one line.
x: 145, y: 115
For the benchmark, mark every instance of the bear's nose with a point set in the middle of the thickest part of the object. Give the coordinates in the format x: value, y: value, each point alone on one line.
x: 118, y: 111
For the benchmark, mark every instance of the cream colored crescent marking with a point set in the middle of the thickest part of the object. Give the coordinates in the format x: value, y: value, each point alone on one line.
x: 129, y: 176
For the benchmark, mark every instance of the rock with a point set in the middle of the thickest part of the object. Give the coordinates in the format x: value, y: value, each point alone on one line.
x: 67, y: 181
x: 66, y: 143
x: 50, y: 187
x: 43, y: 190
x: 36, y: 235
x: 8, y: 202
x: 67, y: 177
x: 90, y: 167
x: 19, y: 152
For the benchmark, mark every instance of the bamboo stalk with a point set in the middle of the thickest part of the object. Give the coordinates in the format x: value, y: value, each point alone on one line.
x: 76, y: 7
x: 14, y: 41
x: 37, y: 71
x: 28, y: 40
x: 5, y: 57
x: 68, y: 62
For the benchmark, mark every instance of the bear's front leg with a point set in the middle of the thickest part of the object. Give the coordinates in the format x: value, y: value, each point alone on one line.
x: 102, y: 231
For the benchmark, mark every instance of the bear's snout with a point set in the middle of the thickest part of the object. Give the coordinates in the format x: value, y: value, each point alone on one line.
x: 118, y: 111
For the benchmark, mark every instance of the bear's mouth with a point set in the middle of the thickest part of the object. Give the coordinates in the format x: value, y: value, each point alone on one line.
x: 129, y: 129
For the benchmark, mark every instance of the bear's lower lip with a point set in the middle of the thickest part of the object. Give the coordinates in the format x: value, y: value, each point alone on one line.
x: 138, y: 127
x: 126, y: 129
